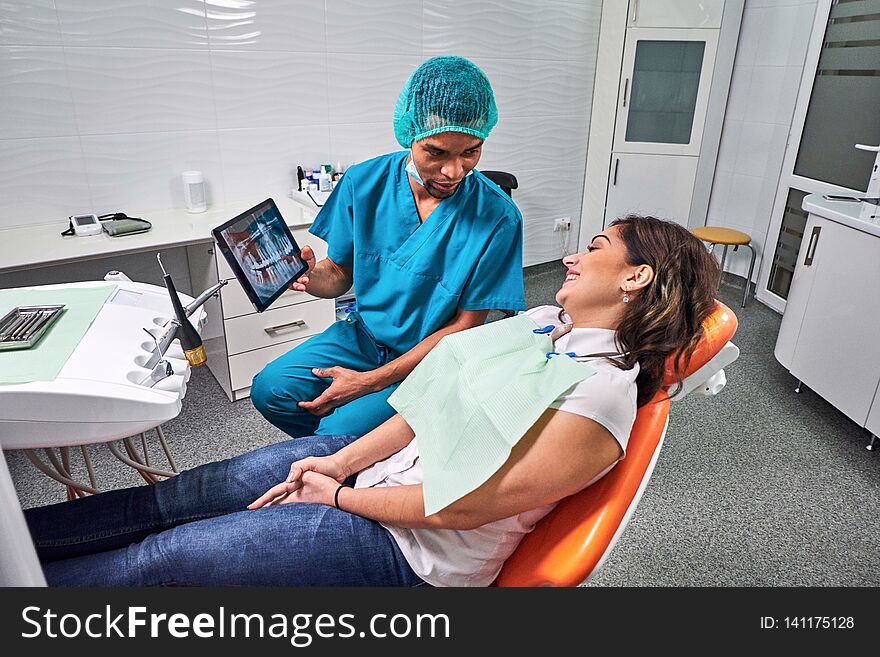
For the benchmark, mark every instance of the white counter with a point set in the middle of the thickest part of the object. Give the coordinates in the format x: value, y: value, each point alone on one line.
x: 861, y: 216
x: 28, y: 247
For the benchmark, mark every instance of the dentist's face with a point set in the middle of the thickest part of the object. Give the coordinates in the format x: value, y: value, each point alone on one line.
x: 443, y: 160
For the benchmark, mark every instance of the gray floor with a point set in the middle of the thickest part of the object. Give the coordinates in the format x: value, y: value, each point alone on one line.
x: 758, y: 486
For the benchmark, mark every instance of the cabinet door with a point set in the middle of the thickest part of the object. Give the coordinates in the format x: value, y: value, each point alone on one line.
x: 675, y: 13
x: 659, y: 185
x: 664, y: 90
x: 801, y: 285
x: 873, y: 423
x: 837, y: 348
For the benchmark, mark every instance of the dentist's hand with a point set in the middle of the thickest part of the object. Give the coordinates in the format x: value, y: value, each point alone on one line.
x: 300, y: 471
x: 347, y: 385
x: 308, y: 256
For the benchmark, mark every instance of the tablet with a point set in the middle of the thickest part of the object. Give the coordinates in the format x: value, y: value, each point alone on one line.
x: 260, y: 249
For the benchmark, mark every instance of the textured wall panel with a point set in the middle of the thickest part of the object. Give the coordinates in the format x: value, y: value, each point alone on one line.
x: 133, y: 23
x: 262, y: 162
x: 29, y: 22
x: 42, y: 181
x: 253, y: 89
x: 364, y: 88
x: 267, y: 25
x: 140, y: 90
x: 366, y: 26
x: 35, y: 99
x: 141, y: 172
x: 356, y: 142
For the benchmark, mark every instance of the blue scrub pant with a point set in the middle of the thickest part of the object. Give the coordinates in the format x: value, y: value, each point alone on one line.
x: 288, y: 379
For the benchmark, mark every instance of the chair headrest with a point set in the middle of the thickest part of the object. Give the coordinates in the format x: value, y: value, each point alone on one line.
x: 718, y: 329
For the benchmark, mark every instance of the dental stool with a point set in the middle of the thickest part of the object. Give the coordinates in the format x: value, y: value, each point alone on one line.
x: 571, y: 543
x: 728, y: 237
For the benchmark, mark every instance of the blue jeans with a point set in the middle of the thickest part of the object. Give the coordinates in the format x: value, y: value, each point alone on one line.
x: 288, y: 379
x: 193, y: 529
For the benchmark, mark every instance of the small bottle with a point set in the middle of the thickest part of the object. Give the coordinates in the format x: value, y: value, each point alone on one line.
x: 194, y: 191
x: 324, y: 183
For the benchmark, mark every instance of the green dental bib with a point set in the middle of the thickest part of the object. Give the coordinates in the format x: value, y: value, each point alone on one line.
x: 474, y: 396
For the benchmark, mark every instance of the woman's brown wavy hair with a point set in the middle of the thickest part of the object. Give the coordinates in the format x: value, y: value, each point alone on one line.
x: 666, y: 316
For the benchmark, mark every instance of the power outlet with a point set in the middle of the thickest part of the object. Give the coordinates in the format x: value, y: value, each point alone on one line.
x: 563, y: 223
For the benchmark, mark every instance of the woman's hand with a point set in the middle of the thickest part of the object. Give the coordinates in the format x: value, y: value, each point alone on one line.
x: 311, y: 487
x: 347, y: 385
x: 308, y: 256
x: 326, y: 466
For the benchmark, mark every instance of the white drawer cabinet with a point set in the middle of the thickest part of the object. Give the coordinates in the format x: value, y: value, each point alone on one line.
x: 675, y: 13
x: 241, y: 341
x: 243, y: 367
x: 828, y: 335
x: 277, y: 325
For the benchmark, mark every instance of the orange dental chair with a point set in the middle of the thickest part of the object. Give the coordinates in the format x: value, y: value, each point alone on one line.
x: 570, y: 544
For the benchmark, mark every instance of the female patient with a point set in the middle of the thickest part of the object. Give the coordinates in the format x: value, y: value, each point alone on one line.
x: 638, y: 294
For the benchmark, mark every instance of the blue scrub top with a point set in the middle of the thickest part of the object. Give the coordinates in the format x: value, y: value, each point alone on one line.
x: 410, y: 277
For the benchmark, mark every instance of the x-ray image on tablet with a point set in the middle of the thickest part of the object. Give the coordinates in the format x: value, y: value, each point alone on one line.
x: 260, y: 249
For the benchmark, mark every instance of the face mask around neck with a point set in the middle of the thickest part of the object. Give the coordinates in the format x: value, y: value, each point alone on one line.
x: 413, y: 172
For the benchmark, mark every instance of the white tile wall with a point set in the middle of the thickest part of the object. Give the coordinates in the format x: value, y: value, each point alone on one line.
x: 259, y: 162
x: 365, y: 87
x: 769, y: 63
x: 29, y: 22
x: 36, y: 100
x: 390, y: 26
x: 133, y: 23
x: 140, y: 90
x: 105, y: 102
x: 42, y: 177
x: 295, y: 25
x: 259, y: 89
x: 139, y: 172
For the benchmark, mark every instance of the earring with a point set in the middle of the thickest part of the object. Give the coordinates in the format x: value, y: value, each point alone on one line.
x: 626, y: 296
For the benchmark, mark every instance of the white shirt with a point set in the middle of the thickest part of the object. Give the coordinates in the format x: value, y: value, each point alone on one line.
x: 474, y: 557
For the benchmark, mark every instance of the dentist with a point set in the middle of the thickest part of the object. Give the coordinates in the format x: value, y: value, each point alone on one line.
x: 429, y: 244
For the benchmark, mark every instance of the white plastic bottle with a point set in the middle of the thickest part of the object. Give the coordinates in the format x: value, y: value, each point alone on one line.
x: 194, y: 191
x: 324, y: 181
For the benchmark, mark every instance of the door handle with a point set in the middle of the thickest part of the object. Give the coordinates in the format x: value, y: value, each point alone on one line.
x: 297, y: 323
x: 811, y: 247
x: 635, y: 11
x: 625, y: 90
x: 616, y: 164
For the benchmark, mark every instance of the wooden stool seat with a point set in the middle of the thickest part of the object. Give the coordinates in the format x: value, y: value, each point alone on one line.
x: 728, y: 237
x: 719, y: 235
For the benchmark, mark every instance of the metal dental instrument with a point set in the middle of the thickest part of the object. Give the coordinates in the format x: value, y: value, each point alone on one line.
x: 162, y: 343
x: 204, y: 296
x: 162, y: 370
x: 23, y: 329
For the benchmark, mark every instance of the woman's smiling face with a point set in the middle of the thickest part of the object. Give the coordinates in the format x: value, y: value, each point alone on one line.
x: 598, y: 277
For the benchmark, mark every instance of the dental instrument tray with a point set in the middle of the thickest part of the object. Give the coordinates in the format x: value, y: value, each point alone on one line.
x: 262, y: 253
x: 23, y: 326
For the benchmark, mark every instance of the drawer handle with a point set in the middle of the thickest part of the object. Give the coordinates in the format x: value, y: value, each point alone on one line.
x: 297, y: 323
x: 811, y: 247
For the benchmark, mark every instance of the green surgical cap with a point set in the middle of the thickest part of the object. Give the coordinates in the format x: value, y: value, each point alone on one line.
x: 445, y: 94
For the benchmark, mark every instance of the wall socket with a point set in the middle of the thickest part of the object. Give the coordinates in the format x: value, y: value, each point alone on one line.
x: 563, y: 223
